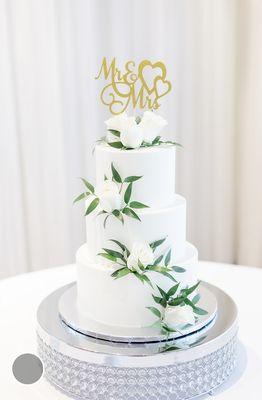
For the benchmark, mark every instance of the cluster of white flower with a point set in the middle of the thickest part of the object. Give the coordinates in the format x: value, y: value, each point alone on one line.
x: 141, y: 254
x: 133, y: 133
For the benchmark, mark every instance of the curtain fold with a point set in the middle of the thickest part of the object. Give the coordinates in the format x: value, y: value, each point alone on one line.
x: 248, y: 194
x: 51, y: 115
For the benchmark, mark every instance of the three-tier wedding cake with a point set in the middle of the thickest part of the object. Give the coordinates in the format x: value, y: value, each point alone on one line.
x: 137, y: 324
x: 136, y: 267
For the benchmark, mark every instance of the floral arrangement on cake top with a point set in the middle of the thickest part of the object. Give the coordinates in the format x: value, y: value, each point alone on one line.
x: 127, y: 133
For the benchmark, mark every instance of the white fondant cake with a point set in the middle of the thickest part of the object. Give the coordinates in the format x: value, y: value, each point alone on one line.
x: 136, y: 265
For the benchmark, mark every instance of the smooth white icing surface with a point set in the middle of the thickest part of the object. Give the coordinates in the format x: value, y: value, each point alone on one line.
x: 156, y: 164
x: 123, y: 302
x: 169, y: 222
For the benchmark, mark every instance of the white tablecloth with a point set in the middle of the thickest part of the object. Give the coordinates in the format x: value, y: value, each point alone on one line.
x: 20, y: 296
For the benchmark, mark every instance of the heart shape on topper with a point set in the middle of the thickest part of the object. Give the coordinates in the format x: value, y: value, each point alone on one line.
x: 149, y: 72
x: 162, y: 87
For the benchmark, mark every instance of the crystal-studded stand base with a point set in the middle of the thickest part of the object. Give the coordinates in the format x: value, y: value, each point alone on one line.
x: 88, y: 368
x: 83, y: 380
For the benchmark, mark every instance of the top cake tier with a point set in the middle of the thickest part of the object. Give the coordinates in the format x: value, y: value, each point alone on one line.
x: 156, y: 165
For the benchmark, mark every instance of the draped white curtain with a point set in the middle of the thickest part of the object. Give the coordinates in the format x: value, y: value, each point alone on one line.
x: 50, y: 116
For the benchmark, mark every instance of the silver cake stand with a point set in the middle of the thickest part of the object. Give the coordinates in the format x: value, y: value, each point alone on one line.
x: 87, y: 367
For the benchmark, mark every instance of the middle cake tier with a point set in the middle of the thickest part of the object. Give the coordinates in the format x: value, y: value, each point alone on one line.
x: 155, y: 224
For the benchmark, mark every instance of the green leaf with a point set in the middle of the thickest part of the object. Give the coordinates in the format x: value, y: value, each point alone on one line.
x: 162, y: 292
x: 196, y: 298
x: 200, y: 311
x: 88, y: 185
x: 105, y: 220
x: 178, y: 269
x: 121, y: 272
x: 128, y: 192
x: 81, y: 197
x: 143, y: 278
x: 147, y: 280
x: 157, y: 243
x: 176, y: 302
x: 168, y: 258
x: 157, y: 299
x: 170, y: 348
x: 168, y: 328
x: 101, y: 213
x: 158, y: 260
x: 114, y: 132
x: 130, y: 213
x: 132, y: 179
x: 188, y: 291
x: 114, y: 253
x: 94, y: 203
x: 108, y: 256
x: 116, y: 145
x: 115, y: 174
x: 118, y: 215
x: 137, y: 204
x: 156, y: 268
x: 169, y: 276
x: 155, y: 311
x: 172, y: 290
x: 161, y: 270
x: 171, y: 142
x: 160, y: 300
x: 121, y: 245
x: 197, y: 310
x: 156, y: 140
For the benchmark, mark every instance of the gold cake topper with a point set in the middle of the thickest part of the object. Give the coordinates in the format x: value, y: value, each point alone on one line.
x: 139, y: 86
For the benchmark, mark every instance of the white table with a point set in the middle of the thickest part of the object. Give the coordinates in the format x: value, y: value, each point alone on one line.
x: 20, y: 296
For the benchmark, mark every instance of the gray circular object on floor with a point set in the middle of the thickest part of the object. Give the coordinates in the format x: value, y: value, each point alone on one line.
x: 85, y: 367
x: 27, y: 368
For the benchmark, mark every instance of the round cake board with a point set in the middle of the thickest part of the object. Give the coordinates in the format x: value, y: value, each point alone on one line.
x: 73, y: 318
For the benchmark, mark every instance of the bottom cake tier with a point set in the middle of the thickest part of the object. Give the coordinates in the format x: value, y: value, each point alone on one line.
x: 124, y: 301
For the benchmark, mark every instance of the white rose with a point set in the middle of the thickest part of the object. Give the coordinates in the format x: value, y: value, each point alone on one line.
x: 120, y: 122
x: 152, y: 124
x: 179, y: 315
x: 109, y: 196
x: 132, y: 264
x: 141, y: 252
x: 132, y: 137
